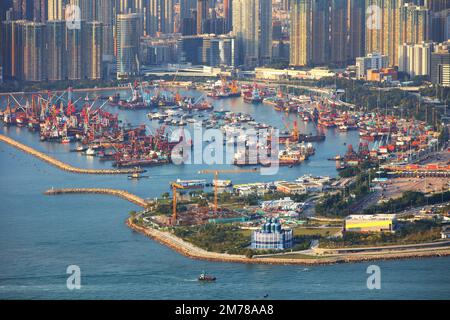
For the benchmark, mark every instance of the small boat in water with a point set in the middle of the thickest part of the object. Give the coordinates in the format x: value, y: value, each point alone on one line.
x: 136, y: 176
x: 206, y: 278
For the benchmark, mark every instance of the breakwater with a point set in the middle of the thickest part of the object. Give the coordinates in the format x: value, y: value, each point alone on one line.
x: 61, y: 165
x: 114, y: 192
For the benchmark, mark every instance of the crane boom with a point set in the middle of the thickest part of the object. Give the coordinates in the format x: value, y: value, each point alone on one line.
x: 216, y: 176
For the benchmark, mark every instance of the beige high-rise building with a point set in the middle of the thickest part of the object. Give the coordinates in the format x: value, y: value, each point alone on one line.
x: 356, y: 27
x: 338, y: 32
x: 252, y: 26
x: 33, y: 51
x: 93, y: 37
x: 74, y: 49
x: 309, y: 38
x: 415, y: 24
x: 55, y: 49
x: 383, y: 27
x: 55, y: 10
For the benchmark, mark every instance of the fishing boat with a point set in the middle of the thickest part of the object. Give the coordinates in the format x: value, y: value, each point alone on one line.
x: 206, y: 278
x: 91, y: 151
x: 65, y: 140
x: 253, y: 97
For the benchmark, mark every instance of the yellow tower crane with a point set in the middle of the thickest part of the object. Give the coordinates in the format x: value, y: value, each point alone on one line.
x: 216, y: 176
x: 175, y: 186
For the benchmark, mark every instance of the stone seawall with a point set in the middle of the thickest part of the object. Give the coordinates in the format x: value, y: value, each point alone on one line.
x: 114, y: 192
x: 59, y: 164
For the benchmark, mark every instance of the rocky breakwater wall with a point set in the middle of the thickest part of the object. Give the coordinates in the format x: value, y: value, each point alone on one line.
x: 61, y: 165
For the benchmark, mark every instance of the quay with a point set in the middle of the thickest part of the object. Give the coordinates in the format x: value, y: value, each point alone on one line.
x: 114, y: 192
x: 61, y: 165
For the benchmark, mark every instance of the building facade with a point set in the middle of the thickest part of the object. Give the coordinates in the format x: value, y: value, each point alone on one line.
x: 127, y: 45
x: 415, y: 59
x: 55, y: 50
x: 373, y: 61
x: 370, y: 223
x: 272, y: 236
x: 92, y: 51
x: 440, y: 65
x: 252, y: 26
x: 33, y: 51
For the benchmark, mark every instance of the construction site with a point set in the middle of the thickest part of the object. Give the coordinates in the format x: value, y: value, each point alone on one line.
x: 189, y: 210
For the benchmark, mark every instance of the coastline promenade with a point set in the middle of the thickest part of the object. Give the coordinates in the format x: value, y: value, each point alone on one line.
x: 189, y: 250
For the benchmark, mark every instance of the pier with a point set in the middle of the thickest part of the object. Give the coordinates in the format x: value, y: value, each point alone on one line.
x: 114, y: 192
x: 61, y: 165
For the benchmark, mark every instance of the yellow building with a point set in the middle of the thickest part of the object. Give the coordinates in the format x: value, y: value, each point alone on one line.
x: 370, y: 223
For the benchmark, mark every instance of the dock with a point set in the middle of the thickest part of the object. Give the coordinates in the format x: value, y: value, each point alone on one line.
x: 61, y: 165
x: 113, y: 192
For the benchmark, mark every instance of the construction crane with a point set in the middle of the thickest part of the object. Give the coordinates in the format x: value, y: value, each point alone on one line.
x: 175, y: 186
x: 216, y: 176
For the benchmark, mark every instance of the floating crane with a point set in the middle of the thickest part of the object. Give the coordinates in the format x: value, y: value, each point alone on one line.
x: 216, y: 176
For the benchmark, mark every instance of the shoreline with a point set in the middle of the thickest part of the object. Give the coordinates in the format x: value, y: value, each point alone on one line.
x: 189, y: 250
x: 59, y: 164
x: 193, y: 252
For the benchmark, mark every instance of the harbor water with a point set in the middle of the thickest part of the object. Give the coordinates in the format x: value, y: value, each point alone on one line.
x: 40, y: 236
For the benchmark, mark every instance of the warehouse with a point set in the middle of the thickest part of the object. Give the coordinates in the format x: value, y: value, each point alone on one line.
x: 370, y: 223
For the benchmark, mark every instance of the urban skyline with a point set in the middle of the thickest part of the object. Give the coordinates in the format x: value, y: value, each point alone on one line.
x: 263, y: 33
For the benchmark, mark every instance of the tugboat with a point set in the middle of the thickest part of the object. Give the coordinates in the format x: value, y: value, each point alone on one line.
x: 206, y: 278
x: 136, y: 175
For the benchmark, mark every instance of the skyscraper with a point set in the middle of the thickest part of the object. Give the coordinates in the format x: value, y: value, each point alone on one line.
x: 152, y: 17
x: 74, y: 50
x: 339, y: 32
x: 11, y: 49
x: 355, y: 29
x: 55, y: 10
x: 55, y: 50
x: 166, y: 16
x: 107, y: 18
x: 440, y: 65
x: 309, y: 32
x: 93, y: 50
x: 227, y: 14
x: 23, y: 9
x: 253, y: 30
x: 437, y: 5
x: 415, y: 24
x: 415, y: 59
x: 383, y: 27
x: 202, y: 14
x: 40, y: 11
x: 127, y: 45
x: 33, y: 51
x: 186, y: 8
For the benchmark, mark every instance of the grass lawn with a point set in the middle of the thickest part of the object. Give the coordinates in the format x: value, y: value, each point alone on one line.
x: 324, y: 232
